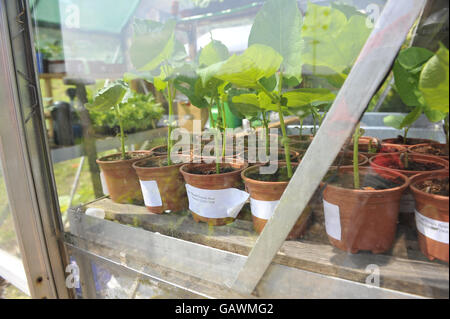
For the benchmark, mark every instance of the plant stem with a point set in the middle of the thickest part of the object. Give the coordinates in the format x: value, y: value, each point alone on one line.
x: 356, y: 136
x: 314, y: 123
x: 122, y: 134
x: 170, y: 95
x: 405, y: 140
x: 287, y: 152
x: 266, y: 132
x: 301, y: 127
x: 446, y: 130
x: 405, y: 136
x: 224, y: 125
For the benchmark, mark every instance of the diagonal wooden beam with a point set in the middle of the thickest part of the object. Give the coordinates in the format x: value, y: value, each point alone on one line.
x: 369, y: 71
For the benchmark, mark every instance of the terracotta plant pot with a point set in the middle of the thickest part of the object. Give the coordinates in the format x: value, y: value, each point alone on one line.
x: 431, y: 218
x: 394, y: 162
x: 264, y: 196
x: 230, y: 156
x: 383, y: 148
x: 348, y: 160
x: 242, y: 141
x: 252, y: 161
x: 436, y: 149
x: 390, y: 161
x: 185, y: 156
x: 298, y: 144
x: 162, y: 187
x: 224, y: 181
x: 409, y: 141
x: 363, y: 219
x: 120, y: 177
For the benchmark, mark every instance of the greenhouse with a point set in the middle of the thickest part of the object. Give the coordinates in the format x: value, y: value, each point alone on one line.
x: 224, y: 149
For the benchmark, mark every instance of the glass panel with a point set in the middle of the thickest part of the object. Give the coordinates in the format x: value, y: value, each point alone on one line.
x: 237, y: 85
x: 12, y: 272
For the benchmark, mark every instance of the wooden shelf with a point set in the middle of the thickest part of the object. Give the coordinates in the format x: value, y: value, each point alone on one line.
x: 404, y: 268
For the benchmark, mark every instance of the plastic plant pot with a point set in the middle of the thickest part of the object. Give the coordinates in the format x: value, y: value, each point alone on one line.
x: 432, y: 216
x: 162, y: 186
x: 120, y: 176
x: 264, y: 196
x: 434, y: 149
x: 363, y: 219
x: 211, y: 194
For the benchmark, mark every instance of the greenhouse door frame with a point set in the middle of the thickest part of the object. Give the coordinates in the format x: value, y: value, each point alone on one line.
x: 28, y: 167
x: 25, y: 157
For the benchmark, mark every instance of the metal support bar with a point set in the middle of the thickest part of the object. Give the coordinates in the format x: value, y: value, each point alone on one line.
x: 25, y: 157
x: 369, y: 71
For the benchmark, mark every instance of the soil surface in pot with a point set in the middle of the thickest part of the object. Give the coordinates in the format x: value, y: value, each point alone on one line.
x: 432, y: 149
x: 281, y: 156
x: 347, y: 160
x: 434, y: 186
x: 154, y: 162
x: 129, y: 156
x: 279, y: 176
x: 212, y: 170
x: 399, y: 140
x: 399, y: 164
x: 368, y: 181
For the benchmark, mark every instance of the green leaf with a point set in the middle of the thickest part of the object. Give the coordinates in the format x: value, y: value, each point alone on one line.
x: 278, y: 25
x: 152, y: 44
x: 304, y: 97
x: 191, y: 87
x: 399, y: 122
x: 434, y: 116
x: 270, y: 83
x: 243, y: 105
x: 257, y: 62
x: 407, y: 74
x: 394, y: 121
x: 434, y: 83
x: 213, y: 53
x: 332, y: 40
x: 109, y: 96
x: 412, y: 117
x: 413, y: 57
x: 321, y: 20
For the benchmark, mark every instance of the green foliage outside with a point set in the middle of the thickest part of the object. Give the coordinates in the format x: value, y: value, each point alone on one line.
x: 140, y: 112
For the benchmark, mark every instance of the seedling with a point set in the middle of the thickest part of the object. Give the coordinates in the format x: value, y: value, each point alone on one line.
x: 154, y: 49
x: 112, y: 96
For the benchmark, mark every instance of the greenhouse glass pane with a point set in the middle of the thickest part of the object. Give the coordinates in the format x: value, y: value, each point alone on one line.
x: 176, y: 126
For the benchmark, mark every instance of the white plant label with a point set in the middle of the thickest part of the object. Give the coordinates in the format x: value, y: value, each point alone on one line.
x: 263, y: 209
x: 104, y: 185
x: 332, y: 220
x: 150, y: 192
x: 432, y: 228
x: 220, y: 203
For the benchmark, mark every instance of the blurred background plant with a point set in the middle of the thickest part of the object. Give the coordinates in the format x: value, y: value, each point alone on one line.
x: 141, y: 112
x: 50, y: 50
